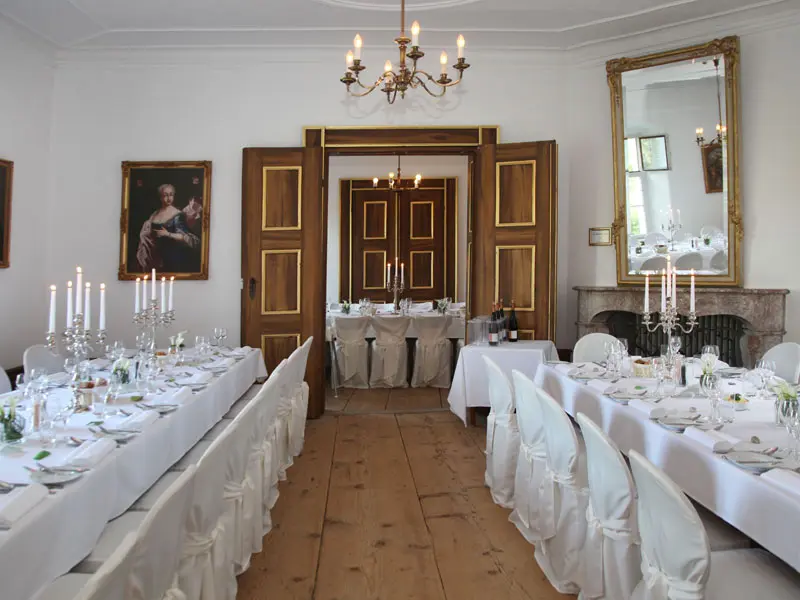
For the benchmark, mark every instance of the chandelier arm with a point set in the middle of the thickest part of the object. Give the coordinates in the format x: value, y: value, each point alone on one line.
x: 434, y: 94
x: 368, y: 91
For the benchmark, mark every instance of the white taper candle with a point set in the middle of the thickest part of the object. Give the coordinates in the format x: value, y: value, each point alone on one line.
x: 87, y: 317
x: 51, y: 322
x: 647, y: 293
x: 153, y: 287
x: 102, y: 324
x: 691, y: 294
x: 171, y: 285
x: 79, y: 291
x: 137, y: 301
x: 144, y: 293
x: 163, y: 294
x: 69, y: 304
x: 663, y: 291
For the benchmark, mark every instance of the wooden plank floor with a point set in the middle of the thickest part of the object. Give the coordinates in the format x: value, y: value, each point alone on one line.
x: 391, y: 506
x: 372, y: 401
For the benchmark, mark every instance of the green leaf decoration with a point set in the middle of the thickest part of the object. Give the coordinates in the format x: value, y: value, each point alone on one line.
x: 41, y: 455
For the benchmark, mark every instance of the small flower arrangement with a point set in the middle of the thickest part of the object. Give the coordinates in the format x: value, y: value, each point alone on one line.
x: 13, y: 423
x: 785, y: 392
x: 121, y: 371
x: 441, y: 305
x: 707, y: 240
x: 345, y: 307
x: 177, y: 339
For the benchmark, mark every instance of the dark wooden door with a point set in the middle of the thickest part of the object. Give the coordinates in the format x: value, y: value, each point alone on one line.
x: 283, y: 258
x: 416, y: 227
x: 514, y: 233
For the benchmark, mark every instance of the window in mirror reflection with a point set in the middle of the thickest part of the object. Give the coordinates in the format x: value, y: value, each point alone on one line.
x: 676, y: 187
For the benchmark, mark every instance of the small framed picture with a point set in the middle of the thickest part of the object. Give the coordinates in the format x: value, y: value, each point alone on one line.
x: 600, y: 236
x: 653, y: 150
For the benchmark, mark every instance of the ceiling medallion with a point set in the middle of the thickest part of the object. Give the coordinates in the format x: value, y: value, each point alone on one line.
x: 406, y: 76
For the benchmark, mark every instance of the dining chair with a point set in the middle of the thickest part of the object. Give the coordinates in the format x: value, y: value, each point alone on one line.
x: 502, y: 437
x: 719, y: 262
x: 529, y: 516
x: 389, y: 365
x: 592, y: 347
x: 690, y: 260
x: 40, y: 356
x: 786, y: 357
x: 611, y: 555
x: 351, y: 351
x: 677, y: 561
x: 433, y: 352
x: 564, y: 499
x: 5, y: 382
x: 297, y: 424
x: 654, y: 264
x: 110, y: 582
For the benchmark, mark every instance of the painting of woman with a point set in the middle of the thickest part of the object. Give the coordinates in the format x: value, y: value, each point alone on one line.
x: 165, y: 219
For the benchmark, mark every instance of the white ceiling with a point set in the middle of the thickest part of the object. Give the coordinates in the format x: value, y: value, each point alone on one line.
x: 554, y: 24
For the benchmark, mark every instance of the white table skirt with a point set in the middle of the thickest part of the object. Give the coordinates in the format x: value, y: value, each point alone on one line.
x: 456, y: 329
x: 62, y: 530
x: 754, y: 505
x: 707, y: 252
x: 470, y: 384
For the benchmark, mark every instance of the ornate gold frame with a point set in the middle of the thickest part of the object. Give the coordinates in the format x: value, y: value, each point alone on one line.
x: 123, y: 273
x: 729, y: 48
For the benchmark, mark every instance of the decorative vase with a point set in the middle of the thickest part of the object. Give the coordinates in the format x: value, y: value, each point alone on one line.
x: 13, y: 429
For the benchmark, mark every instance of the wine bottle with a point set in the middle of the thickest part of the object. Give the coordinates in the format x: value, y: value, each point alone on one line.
x: 493, y: 333
x: 513, y: 325
x: 501, y: 314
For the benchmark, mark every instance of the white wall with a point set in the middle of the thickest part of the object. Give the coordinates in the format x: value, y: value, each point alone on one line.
x: 210, y: 105
x: 26, y: 89
x: 367, y: 167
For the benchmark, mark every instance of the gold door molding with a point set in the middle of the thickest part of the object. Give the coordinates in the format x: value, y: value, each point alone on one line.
x: 264, y: 199
x: 412, y: 285
x: 498, y: 189
x: 364, y: 269
x: 428, y: 203
x: 514, y: 248
x: 268, y: 285
x: 384, y: 204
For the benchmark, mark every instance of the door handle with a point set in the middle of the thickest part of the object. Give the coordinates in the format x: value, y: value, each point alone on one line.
x: 252, y: 288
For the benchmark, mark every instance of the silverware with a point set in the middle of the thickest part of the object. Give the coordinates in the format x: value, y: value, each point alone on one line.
x: 6, y: 487
x: 47, y: 469
x: 117, y: 430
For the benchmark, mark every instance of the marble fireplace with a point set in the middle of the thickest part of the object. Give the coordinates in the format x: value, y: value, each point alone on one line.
x: 756, y: 317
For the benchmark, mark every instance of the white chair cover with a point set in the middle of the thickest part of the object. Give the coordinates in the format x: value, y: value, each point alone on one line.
x: 297, y: 425
x: 158, y: 548
x: 654, y: 264
x: 591, y: 347
x: 206, y: 568
x: 389, y: 352
x: 275, y: 441
x: 433, y: 357
x: 531, y: 463
x: 39, y: 356
x: 285, y: 395
x: 719, y: 262
x: 5, y: 382
x: 674, y: 545
x: 787, y: 360
x: 352, y: 351
x: 564, y: 499
x: 611, y: 556
x: 690, y: 260
x: 111, y: 581
x: 502, y: 437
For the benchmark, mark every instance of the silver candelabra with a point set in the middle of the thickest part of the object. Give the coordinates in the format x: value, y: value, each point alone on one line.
x: 671, y: 228
x: 669, y: 322
x: 77, y: 339
x: 151, y: 318
x: 395, y: 286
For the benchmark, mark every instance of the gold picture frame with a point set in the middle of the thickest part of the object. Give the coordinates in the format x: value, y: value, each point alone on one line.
x: 729, y: 49
x: 600, y: 236
x: 165, y: 219
x: 6, y: 187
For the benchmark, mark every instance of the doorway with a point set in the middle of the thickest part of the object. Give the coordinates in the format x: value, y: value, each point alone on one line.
x: 511, y: 232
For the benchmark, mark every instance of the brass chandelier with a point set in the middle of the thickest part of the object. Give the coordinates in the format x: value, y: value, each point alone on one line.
x: 722, y: 129
x: 407, y: 76
x: 396, y: 180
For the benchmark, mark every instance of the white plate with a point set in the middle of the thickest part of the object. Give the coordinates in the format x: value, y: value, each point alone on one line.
x: 752, y: 461
x: 731, y: 372
x: 678, y: 424
x: 117, y: 436
x: 54, y: 478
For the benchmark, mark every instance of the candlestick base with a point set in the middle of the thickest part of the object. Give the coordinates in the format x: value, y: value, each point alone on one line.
x: 396, y: 287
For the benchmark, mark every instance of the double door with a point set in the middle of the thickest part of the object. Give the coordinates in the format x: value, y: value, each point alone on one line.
x: 381, y: 226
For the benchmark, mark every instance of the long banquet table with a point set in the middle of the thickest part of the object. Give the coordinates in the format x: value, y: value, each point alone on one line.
x: 59, y: 532
x: 753, y: 504
x: 455, y: 330
x: 470, y: 385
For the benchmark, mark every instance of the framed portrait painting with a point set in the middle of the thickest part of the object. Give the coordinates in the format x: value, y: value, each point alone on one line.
x: 6, y: 182
x: 712, y: 167
x: 165, y: 220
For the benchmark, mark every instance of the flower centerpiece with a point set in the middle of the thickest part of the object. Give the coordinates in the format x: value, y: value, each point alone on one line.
x: 707, y: 240
x: 345, y: 307
x: 785, y: 403
x: 441, y: 305
x: 13, y: 423
x: 121, y: 371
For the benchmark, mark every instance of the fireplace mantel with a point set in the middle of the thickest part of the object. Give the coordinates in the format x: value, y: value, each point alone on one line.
x: 763, y: 311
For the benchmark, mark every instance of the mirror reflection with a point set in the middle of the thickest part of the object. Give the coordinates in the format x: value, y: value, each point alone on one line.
x: 675, y: 145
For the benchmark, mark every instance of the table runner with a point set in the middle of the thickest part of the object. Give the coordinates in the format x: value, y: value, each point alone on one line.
x: 58, y: 533
x: 755, y: 506
x: 470, y: 383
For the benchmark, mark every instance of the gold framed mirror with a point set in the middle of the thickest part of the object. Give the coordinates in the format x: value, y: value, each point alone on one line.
x: 675, y: 138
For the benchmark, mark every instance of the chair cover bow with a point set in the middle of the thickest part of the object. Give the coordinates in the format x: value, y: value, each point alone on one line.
x: 669, y: 587
x: 197, y: 545
x: 615, y: 529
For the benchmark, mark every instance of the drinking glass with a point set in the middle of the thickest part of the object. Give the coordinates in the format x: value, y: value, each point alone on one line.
x: 708, y: 358
x: 201, y: 345
x: 218, y: 336
x: 623, y: 342
x: 59, y: 410
x: 709, y: 385
x: 114, y: 351
x: 792, y: 423
x: 659, y: 371
x: 224, y: 335
x: 20, y: 383
x: 767, y: 368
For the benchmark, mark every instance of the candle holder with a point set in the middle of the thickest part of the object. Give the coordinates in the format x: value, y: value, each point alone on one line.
x: 671, y: 228
x: 76, y: 339
x: 151, y: 318
x: 669, y: 322
x: 395, y: 286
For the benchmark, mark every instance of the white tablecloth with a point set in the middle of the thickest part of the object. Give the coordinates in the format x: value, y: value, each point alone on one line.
x: 635, y: 261
x: 752, y: 504
x: 470, y: 387
x: 62, y: 530
x: 454, y: 331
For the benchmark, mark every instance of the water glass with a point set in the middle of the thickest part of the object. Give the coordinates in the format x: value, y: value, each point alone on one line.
x: 223, y: 335
x: 767, y: 368
x: 792, y: 423
x: 218, y: 336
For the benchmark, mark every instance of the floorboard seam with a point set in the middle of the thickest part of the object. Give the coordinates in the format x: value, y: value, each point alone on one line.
x: 325, y: 512
x: 421, y: 509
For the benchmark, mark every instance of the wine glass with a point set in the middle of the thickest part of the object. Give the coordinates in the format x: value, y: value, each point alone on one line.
x: 675, y: 344
x: 709, y: 385
x: 224, y: 335
x: 792, y: 422
x: 218, y: 336
x: 767, y: 368
x: 708, y: 358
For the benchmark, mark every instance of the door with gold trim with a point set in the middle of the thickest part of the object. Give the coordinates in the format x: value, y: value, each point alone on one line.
x: 283, y: 276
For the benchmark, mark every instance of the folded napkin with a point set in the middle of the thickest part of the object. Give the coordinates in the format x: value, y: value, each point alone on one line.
x: 788, y: 481
x: 179, y: 396
x: 240, y: 351
x: 90, y: 453
x: 140, y: 420
x: 18, y: 502
x: 648, y: 408
x: 196, y: 379
x: 716, y: 441
x: 225, y: 363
